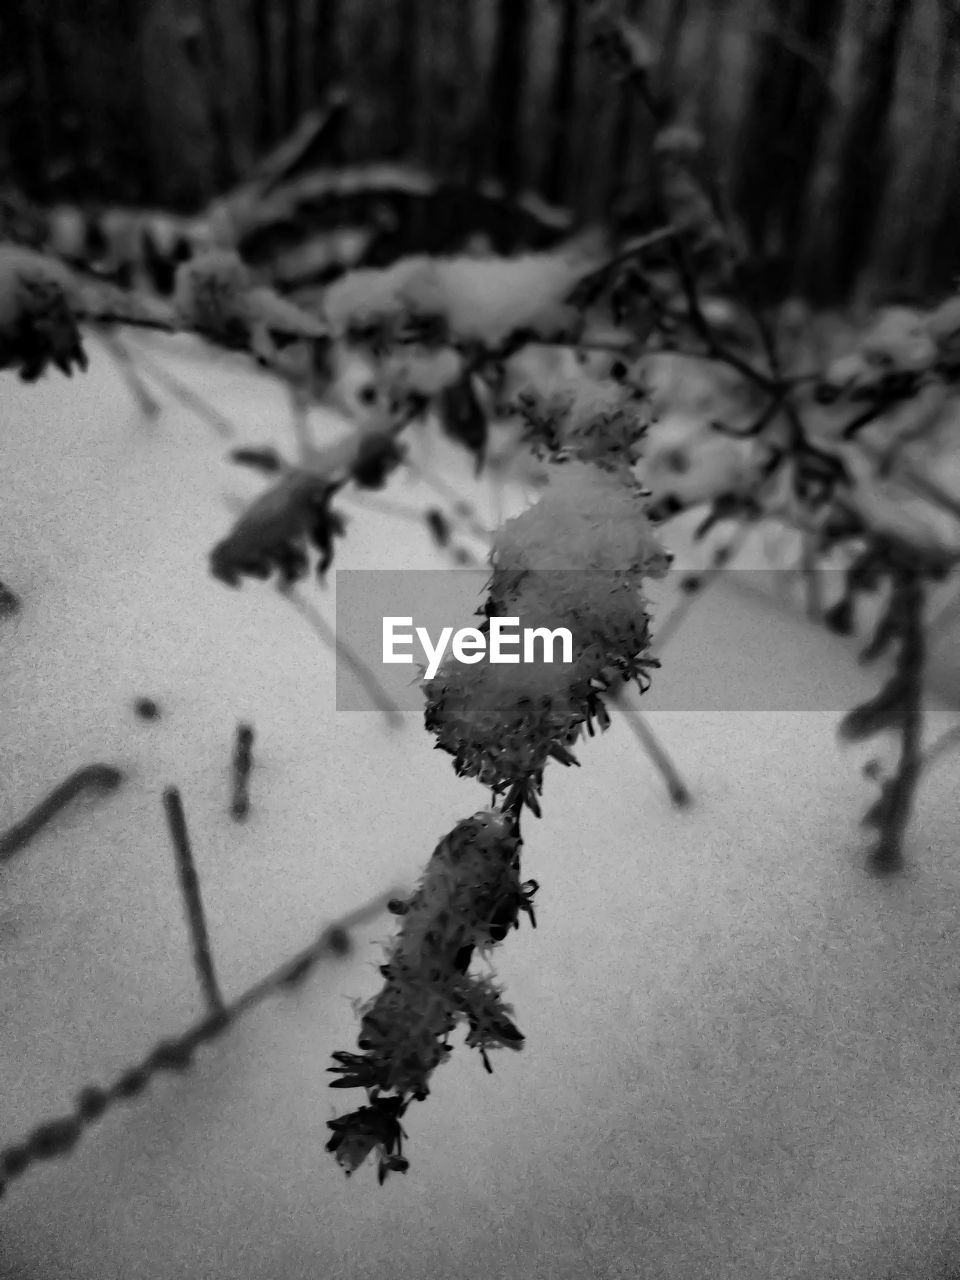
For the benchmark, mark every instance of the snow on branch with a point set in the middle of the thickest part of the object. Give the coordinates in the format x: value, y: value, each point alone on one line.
x: 485, y: 301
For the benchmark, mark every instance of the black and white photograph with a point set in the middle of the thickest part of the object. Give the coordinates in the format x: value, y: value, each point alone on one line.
x: 479, y: 640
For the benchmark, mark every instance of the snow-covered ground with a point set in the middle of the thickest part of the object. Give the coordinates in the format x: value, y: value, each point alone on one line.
x: 741, y: 1054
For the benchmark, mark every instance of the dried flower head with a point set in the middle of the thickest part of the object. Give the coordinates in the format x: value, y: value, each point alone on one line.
x: 275, y: 531
x: 372, y: 1128
x: 215, y: 294
x: 575, y: 560
x: 488, y: 1017
x: 501, y: 723
x: 592, y: 421
x: 468, y: 896
x: 210, y: 295
x: 607, y: 615
x: 38, y: 323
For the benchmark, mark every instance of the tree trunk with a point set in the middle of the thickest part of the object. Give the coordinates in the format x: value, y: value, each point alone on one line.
x: 786, y: 109
x: 632, y: 128
x: 506, y: 91
x: 291, y: 65
x: 42, y: 104
x: 328, y: 64
x: 922, y: 248
x: 563, y: 101
x: 709, y: 53
x: 127, y: 108
x: 262, y: 73
x: 670, y: 50
x: 207, y: 55
x: 407, y: 81
x: 20, y: 120
x: 466, y: 52
x: 864, y: 158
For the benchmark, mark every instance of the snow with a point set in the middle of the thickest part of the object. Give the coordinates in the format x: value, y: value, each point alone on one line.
x: 741, y: 1050
x: 586, y: 519
x: 482, y: 299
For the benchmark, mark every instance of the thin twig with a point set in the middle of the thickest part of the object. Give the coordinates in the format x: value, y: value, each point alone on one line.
x: 188, y: 397
x: 328, y: 635
x: 95, y: 777
x: 387, y: 507
x: 897, y: 797
x: 190, y: 888
x: 678, y: 789
x: 463, y: 509
x: 301, y: 426
x: 706, y: 332
x: 810, y: 575
x: 242, y: 764
x: 788, y: 381
x: 121, y: 356
x: 946, y: 742
x: 461, y: 556
x: 58, y: 1137
x: 945, y: 615
x: 695, y: 584
x: 916, y: 480
x: 105, y: 315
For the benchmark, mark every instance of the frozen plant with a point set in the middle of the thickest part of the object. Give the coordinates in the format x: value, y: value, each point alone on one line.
x: 501, y: 724
x: 440, y: 332
x: 38, y: 324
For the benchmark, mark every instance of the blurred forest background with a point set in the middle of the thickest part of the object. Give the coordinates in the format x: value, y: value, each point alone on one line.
x: 831, y: 127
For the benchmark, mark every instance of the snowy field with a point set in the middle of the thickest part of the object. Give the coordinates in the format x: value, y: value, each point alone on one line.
x: 742, y: 1052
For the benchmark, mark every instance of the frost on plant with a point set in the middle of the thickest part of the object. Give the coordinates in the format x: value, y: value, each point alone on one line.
x: 501, y: 724
x: 587, y: 519
x: 468, y: 897
x: 479, y: 300
x: 594, y: 421
x: 578, y: 558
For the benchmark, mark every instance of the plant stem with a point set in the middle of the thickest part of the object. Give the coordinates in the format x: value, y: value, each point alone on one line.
x: 59, y: 1137
x: 328, y: 635
x: 242, y: 764
x: 897, y: 799
x: 119, y: 353
x: 190, y: 888
x: 189, y: 398
x: 678, y: 789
